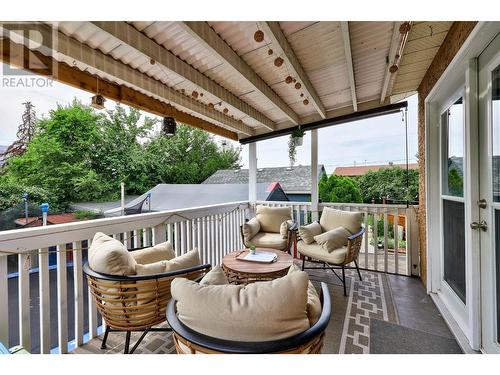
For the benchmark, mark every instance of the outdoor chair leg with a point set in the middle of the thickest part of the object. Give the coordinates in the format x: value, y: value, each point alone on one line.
x: 357, y: 268
x: 303, y: 262
x: 343, y: 280
x: 105, y: 338
x: 127, y: 342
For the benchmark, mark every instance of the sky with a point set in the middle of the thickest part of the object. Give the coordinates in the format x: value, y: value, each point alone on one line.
x: 379, y: 140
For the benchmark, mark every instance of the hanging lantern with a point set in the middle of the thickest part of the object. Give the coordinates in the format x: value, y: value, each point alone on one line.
x: 298, y: 85
x: 306, y: 102
x: 404, y: 28
x: 194, y: 94
x: 258, y: 36
x: 288, y: 79
x: 169, y: 126
x: 225, y: 110
x: 278, y: 61
x: 270, y: 52
x: 393, y: 68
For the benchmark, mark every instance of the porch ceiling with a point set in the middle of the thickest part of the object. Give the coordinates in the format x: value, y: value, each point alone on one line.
x: 341, y: 67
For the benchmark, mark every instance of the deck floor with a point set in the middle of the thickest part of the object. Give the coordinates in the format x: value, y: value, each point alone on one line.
x: 381, y: 314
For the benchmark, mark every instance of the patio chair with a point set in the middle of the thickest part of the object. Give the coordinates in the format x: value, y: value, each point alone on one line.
x: 307, y: 340
x: 136, y: 302
x: 272, y: 227
x: 340, y: 235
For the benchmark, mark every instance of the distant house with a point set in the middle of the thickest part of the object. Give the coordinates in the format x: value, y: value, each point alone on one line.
x: 177, y: 196
x: 360, y: 170
x: 100, y: 207
x: 51, y: 220
x: 295, y: 181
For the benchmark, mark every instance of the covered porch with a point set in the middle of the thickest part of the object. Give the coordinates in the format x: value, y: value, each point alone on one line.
x: 220, y: 77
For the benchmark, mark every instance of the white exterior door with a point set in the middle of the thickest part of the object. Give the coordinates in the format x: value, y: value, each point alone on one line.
x: 489, y: 172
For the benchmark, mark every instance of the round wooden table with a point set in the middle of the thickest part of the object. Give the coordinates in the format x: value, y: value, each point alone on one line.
x: 245, y: 272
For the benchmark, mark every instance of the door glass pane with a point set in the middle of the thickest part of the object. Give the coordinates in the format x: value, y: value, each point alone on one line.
x: 452, y: 125
x: 454, y: 246
x: 495, y: 117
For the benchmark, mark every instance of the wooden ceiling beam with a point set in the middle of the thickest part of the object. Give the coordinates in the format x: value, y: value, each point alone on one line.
x: 282, y: 47
x: 391, y: 60
x: 344, y: 27
x: 77, y: 52
x: 17, y: 54
x: 213, y: 42
x: 129, y: 35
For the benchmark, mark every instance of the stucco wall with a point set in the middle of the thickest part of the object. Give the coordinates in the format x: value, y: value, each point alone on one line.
x: 457, y: 35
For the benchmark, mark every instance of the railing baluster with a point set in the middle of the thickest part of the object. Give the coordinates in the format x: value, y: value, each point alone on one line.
x: 136, y: 239
x: 367, y: 240
x: 146, y: 235
x: 78, y: 291
x: 386, y: 244
x: 396, y: 240
x: 159, y: 234
x: 44, y: 298
x: 204, y: 241
x: 4, y: 301
x: 24, y: 301
x: 375, y: 240
x: 188, y: 235
x: 169, y: 234
x: 92, y: 308
x: 177, y: 239
x: 62, y: 299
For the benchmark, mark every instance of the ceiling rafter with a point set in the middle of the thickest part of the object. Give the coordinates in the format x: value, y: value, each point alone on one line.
x: 19, y: 55
x: 344, y: 27
x: 391, y: 60
x: 129, y: 35
x: 79, y: 52
x: 211, y: 40
x: 283, y: 48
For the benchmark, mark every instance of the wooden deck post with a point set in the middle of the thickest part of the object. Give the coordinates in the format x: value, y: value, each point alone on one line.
x: 314, y: 175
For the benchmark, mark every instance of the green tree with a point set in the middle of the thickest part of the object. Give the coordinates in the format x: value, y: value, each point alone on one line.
x: 389, y: 183
x: 189, y: 157
x: 339, y: 189
x: 59, y: 158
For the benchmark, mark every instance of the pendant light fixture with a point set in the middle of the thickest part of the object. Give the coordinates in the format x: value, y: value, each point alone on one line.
x: 169, y: 126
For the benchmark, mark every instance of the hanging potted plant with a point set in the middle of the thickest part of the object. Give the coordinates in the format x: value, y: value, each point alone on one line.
x: 296, y: 139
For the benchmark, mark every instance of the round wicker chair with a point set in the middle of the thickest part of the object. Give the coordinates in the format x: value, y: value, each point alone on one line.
x: 188, y: 341
x: 135, y: 303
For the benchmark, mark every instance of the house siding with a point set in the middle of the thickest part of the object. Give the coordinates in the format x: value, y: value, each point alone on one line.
x: 458, y: 33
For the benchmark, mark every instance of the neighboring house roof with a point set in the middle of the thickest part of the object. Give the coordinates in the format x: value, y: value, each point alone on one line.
x: 101, y: 206
x: 292, y: 179
x: 178, y: 196
x: 51, y: 220
x: 359, y: 170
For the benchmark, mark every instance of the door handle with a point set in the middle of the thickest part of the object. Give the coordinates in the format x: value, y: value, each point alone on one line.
x: 482, y: 203
x: 481, y: 225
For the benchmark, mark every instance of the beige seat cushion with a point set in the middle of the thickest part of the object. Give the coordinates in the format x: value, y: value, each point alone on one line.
x: 332, y: 218
x: 269, y: 240
x: 307, y: 232
x: 284, y: 229
x: 333, y: 239
x: 108, y: 255
x: 250, y: 229
x: 215, y: 277
x: 187, y: 260
x: 315, y: 251
x: 313, y: 302
x: 162, y: 251
x: 260, y: 311
x: 271, y: 218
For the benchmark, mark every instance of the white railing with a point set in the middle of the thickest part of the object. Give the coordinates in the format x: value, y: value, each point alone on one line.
x: 378, y: 249
x: 213, y: 230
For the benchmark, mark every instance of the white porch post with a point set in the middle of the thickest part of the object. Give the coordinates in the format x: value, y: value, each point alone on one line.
x: 252, y: 173
x: 314, y: 174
